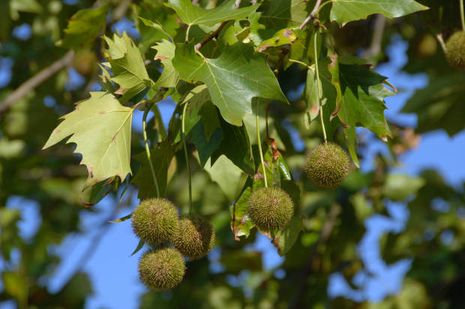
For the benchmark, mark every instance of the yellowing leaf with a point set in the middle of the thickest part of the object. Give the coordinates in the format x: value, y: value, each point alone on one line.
x: 101, y: 128
x: 165, y: 53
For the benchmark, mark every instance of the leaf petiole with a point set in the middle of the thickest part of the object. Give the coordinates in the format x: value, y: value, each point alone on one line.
x: 183, y: 137
x: 259, y: 142
x: 147, y: 148
x: 318, y: 83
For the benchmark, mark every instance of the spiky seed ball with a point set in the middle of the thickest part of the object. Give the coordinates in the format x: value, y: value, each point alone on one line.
x: 455, y: 50
x: 162, y: 269
x: 327, y: 165
x: 270, y: 208
x: 195, y: 237
x: 155, y: 221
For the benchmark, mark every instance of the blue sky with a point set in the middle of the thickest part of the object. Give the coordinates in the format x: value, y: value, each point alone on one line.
x: 114, y: 271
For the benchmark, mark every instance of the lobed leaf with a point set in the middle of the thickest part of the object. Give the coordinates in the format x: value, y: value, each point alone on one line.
x: 101, y: 128
x: 84, y: 27
x: 233, y: 79
x: 127, y: 66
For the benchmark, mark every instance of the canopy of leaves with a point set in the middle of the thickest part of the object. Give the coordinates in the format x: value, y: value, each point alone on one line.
x: 223, y: 65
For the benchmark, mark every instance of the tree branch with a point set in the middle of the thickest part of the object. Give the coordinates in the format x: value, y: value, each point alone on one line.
x: 36, y: 80
x: 377, y: 37
x: 312, y: 15
x: 210, y: 37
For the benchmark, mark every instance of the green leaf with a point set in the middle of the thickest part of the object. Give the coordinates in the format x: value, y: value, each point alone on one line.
x: 440, y: 104
x: 139, y: 247
x: 101, y: 128
x: 84, y: 27
x: 284, y: 240
x: 161, y: 157
x: 156, y: 26
x: 127, y: 66
x: 363, y: 94
x: 241, y: 224
x: 278, y: 15
x: 280, y: 38
x: 165, y: 53
x: 28, y: 6
x: 195, y: 15
x: 16, y: 285
x: 226, y: 174
x: 236, y: 146
x: 233, y: 79
x: 237, y: 261
x: 205, y: 145
x: 399, y: 187
x: 196, y: 98
x: 344, y: 11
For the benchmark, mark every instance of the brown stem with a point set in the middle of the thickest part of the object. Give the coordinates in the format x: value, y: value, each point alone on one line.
x: 211, y: 36
x: 377, y: 37
x: 36, y: 80
x: 312, y: 15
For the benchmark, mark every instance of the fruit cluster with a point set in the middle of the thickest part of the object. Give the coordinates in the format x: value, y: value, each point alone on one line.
x: 156, y: 222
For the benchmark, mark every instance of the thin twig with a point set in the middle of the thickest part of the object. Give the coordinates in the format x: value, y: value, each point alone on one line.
x: 36, y: 80
x: 318, y: 82
x: 259, y: 142
x: 462, y: 15
x: 186, y: 156
x: 121, y: 10
x: 211, y: 36
x: 312, y: 15
x: 377, y: 37
x: 147, y: 149
x: 441, y: 42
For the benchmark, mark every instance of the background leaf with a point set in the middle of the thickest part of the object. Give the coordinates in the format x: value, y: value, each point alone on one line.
x: 195, y: 15
x: 344, y: 11
x: 84, y: 27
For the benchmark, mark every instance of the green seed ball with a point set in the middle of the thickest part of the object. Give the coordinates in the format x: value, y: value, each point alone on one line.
x: 270, y: 208
x: 155, y: 221
x: 327, y: 165
x: 455, y: 50
x: 195, y: 237
x: 162, y: 269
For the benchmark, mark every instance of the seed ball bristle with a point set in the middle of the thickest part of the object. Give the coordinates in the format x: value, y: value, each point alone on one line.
x: 327, y: 165
x: 155, y: 221
x: 270, y: 208
x: 455, y: 50
x: 162, y: 269
x: 195, y: 237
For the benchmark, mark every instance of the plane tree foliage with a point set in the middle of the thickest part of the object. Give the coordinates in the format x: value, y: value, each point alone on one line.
x: 255, y: 85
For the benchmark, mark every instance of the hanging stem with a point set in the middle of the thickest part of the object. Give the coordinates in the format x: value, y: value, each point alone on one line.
x: 187, y: 33
x: 183, y: 137
x: 260, y: 150
x: 462, y: 15
x: 318, y: 82
x: 147, y: 148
